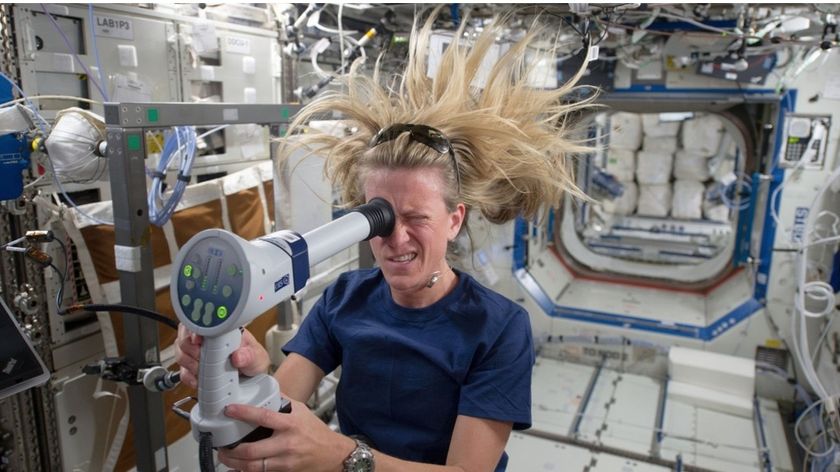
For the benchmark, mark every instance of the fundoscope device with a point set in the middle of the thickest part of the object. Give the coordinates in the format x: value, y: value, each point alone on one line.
x: 221, y: 282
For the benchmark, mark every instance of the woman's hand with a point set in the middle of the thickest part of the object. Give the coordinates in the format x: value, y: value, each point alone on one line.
x: 251, y: 358
x: 300, y: 442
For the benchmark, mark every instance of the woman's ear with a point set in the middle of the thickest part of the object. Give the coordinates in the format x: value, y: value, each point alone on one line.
x: 456, y: 220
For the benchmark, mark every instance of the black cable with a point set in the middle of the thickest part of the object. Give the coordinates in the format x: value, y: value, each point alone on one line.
x: 59, y: 298
x: 60, y: 295
x: 134, y: 310
x: 205, y: 452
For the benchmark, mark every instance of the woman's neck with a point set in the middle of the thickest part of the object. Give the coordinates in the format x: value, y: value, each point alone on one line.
x: 438, y: 286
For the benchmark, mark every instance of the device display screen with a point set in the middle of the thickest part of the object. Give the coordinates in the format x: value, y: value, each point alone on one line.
x: 20, y: 366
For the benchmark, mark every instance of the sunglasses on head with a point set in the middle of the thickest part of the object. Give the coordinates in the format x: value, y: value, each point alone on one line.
x: 422, y: 134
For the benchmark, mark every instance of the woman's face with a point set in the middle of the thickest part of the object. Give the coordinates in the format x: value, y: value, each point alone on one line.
x: 417, y: 246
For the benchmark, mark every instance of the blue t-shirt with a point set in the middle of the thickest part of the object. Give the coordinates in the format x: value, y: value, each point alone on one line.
x: 408, y: 373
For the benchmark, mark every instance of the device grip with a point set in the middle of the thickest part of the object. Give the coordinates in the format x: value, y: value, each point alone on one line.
x: 380, y: 215
x: 218, y: 379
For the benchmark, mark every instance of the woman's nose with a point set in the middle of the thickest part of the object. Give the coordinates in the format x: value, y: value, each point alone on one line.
x: 399, y: 235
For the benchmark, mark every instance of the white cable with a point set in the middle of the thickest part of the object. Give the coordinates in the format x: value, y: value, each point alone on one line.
x: 821, y: 339
x: 818, y: 242
x: 314, y: 52
x: 341, y: 35
x: 774, y: 197
x: 816, y: 290
x: 834, y: 227
x: 52, y: 97
x: 799, y: 436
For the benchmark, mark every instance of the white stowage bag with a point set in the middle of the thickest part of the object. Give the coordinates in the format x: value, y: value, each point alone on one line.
x: 659, y: 144
x: 654, y: 200
x: 654, y: 127
x: 723, y: 163
x: 702, y: 135
x: 653, y: 167
x: 689, y: 165
x: 71, y: 143
x: 626, y: 203
x: 715, y: 212
x: 625, y: 131
x: 688, y: 200
x: 621, y: 164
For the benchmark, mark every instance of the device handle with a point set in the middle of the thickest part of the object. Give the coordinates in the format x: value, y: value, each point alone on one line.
x: 218, y: 379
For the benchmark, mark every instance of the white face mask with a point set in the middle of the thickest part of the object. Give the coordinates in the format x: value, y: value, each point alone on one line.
x: 71, y: 143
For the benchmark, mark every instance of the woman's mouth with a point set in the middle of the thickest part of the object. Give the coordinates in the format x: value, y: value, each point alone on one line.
x: 403, y: 258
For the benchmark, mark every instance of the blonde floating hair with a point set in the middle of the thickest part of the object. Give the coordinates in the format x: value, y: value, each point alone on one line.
x: 512, y: 141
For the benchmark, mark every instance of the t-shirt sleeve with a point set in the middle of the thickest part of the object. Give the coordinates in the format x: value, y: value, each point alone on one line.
x: 498, y: 387
x: 315, y: 340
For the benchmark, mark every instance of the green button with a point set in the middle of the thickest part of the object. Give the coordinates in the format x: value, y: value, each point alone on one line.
x: 188, y: 269
x: 196, y: 312
x: 226, y: 291
x: 189, y: 284
x: 209, y: 308
x: 284, y: 113
x: 133, y: 142
x: 185, y: 299
x: 231, y: 270
x: 152, y: 115
x: 222, y: 312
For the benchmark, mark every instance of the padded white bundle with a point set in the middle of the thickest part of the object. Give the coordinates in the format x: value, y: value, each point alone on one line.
x: 71, y: 143
x: 654, y: 200
x: 721, y: 166
x: 626, y: 203
x: 12, y: 120
x: 625, y: 131
x: 688, y: 199
x: 654, y: 127
x: 689, y: 165
x: 710, y: 398
x: 715, y: 212
x: 727, y: 374
x: 621, y: 163
x: 660, y: 144
x: 653, y: 167
x: 702, y: 135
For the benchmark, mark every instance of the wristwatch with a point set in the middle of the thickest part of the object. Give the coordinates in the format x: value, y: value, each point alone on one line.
x: 360, y: 460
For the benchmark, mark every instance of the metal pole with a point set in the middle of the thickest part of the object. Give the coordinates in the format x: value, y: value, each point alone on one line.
x: 133, y: 250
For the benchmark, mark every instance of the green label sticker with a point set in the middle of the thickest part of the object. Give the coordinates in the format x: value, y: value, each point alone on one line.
x: 152, y: 115
x: 133, y: 141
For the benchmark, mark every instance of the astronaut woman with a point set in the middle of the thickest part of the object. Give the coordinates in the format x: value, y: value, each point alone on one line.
x: 436, y: 369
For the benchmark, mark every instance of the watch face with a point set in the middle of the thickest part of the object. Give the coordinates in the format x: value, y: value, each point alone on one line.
x: 361, y: 466
x: 361, y: 460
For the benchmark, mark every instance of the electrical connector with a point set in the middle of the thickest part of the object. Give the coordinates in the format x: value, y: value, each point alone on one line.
x: 40, y: 236
x: 39, y: 256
